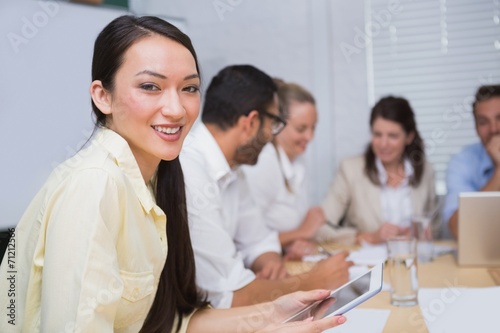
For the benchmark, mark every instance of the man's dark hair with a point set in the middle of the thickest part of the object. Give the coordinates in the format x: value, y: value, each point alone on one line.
x: 235, y: 91
x: 484, y: 93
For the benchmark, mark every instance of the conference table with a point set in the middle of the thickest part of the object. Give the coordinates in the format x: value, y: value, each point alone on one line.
x: 442, y: 272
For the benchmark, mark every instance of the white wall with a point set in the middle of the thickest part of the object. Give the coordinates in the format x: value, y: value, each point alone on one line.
x: 44, y: 101
x: 297, y: 40
x: 45, y: 113
x: 350, y: 103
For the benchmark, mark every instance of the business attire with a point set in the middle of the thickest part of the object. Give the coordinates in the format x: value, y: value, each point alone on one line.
x: 363, y: 206
x: 468, y: 171
x: 227, y: 233
x: 89, y: 249
x: 283, y: 207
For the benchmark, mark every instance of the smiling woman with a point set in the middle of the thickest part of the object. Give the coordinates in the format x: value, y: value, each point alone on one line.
x: 377, y: 193
x: 153, y: 100
x: 94, y: 251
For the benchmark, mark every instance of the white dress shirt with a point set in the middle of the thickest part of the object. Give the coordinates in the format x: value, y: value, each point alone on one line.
x: 226, y: 227
x: 89, y: 249
x: 283, y: 208
x: 396, y: 202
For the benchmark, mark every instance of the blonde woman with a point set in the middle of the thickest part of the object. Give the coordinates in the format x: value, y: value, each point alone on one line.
x: 278, y: 180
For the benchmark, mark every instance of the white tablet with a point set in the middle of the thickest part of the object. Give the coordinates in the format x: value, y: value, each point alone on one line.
x: 345, y: 297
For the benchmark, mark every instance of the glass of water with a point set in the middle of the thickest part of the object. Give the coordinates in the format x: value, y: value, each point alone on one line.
x: 402, y: 265
x: 421, y: 229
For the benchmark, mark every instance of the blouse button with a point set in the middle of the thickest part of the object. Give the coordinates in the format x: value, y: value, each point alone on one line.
x: 136, y: 293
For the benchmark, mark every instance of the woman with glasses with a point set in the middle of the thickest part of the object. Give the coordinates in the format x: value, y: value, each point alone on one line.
x: 278, y: 183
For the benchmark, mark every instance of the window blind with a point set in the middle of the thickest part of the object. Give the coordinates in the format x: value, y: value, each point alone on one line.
x: 435, y: 53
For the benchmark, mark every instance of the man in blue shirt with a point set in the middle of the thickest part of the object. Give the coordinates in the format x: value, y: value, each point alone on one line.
x: 476, y: 167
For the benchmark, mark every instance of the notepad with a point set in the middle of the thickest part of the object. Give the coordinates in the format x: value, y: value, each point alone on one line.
x: 369, y: 254
x: 363, y: 320
x: 455, y: 310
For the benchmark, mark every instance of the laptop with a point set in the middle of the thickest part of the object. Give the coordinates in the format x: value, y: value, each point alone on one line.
x: 479, y: 229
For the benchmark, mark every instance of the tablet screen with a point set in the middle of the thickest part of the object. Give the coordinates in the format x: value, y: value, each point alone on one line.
x: 340, y: 298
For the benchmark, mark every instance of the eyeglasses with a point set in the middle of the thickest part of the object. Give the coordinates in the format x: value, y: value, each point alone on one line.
x: 277, y: 124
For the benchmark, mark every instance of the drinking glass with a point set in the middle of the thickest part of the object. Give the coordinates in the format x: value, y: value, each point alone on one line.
x: 402, y: 265
x: 421, y: 229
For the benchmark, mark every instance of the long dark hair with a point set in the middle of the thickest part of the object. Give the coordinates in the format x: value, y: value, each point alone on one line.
x: 397, y: 109
x: 177, y: 293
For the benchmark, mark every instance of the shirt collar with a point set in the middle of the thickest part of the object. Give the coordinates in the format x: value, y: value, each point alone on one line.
x: 293, y: 171
x: 119, y: 149
x: 382, y: 173
x: 286, y: 165
x: 217, y: 165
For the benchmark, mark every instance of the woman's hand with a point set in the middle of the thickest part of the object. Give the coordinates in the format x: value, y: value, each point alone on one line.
x: 287, y: 305
x: 265, y: 317
x: 385, y: 232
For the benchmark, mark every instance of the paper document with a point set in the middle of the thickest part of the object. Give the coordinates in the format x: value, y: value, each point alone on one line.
x: 362, y: 320
x: 440, y: 250
x: 457, y: 310
x: 369, y: 254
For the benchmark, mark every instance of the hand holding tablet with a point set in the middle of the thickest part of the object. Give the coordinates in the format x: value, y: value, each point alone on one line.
x: 345, y: 297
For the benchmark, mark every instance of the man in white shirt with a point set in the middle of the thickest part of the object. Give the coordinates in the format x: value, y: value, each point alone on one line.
x: 238, y: 260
